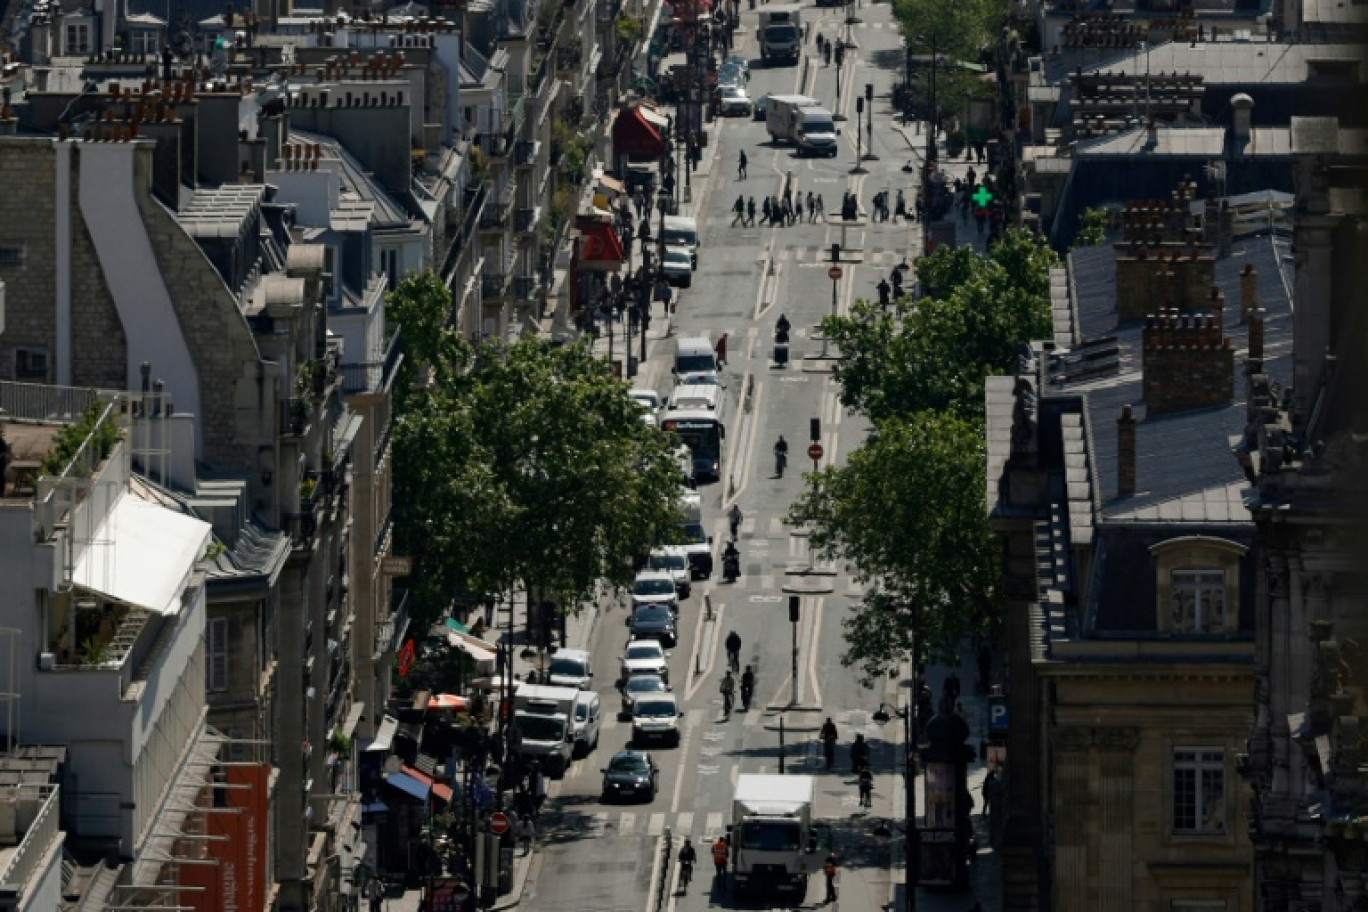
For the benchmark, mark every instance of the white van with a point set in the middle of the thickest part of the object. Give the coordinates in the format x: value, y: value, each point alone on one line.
x: 695, y: 361
x: 587, y: 722
x: 682, y: 231
x: 695, y: 396
x: 570, y: 668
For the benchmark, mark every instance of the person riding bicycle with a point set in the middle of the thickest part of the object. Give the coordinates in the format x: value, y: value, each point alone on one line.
x: 687, y: 856
x: 828, y: 736
x: 734, y: 650
x: 783, y: 324
x: 859, y: 754
x: 780, y: 455
x: 727, y: 688
x: 747, y: 688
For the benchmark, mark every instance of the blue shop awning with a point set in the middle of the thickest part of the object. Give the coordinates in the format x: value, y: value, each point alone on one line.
x: 408, y: 785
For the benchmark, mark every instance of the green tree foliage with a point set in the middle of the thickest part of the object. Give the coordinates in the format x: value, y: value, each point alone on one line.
x: 519, y: 463
x: 934, y: 354
x: 907, y: 511
x: 961, y: 29
x: 1092, y: 228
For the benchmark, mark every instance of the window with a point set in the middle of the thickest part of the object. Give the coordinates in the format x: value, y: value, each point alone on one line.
x: 216, y: 655
x: 1197, y: 601
x: 144, y: 42
x: 1198, y: 790
x: 390, y: 259
x: 77, y: 36
x: 12, y: 254
x: 30, y: 365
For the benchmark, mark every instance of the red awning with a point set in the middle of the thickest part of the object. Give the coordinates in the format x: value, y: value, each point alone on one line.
x: 420, y: 776
x: 601, y: 244
x: 442, y: 791
x: 633, y: 134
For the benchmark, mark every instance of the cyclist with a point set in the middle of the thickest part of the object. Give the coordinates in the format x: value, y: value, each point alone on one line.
x: 780, y: 456
x: 687, y: 856
x: 828, y: 736
x: 727, y: 688
x: 747, y: 688
x: 734, y: 651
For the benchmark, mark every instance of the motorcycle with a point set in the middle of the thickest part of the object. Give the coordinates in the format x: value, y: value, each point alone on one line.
x: 731, y: 567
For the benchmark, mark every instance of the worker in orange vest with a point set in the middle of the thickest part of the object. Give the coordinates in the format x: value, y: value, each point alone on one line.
x: 719, y: 851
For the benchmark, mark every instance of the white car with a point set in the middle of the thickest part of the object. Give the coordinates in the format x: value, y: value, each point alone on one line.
x: 655, y: 587
x: 678, y: 267
x: 645, y: 657
x: 647, y: 399
x: 656, y: 716
x: 570, y: 668
x: 735, y: 101
x: 674, y: 560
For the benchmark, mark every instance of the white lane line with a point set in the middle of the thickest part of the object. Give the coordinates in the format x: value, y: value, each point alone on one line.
x: 819, y: 605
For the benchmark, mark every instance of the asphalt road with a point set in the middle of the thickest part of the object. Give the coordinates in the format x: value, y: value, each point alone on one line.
x: 602, y: 858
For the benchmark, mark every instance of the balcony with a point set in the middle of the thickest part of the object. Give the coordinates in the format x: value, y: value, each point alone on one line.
x: 495, y: 145
x: 302, y: 526
x: 525, y: 220
x: 373, y: 376
x: 294, y: 416
x: 493, y: 285
x: 495, y: 214
x: 524, y: 287
x: 390, y: 634
x: 525, y: 153
x: 383, y: 533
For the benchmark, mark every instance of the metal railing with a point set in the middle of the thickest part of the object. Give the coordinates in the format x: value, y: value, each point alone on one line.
x: 525, y: 220
x: 383, y: 532
x: 54, y: 496
x: 495, y: 214
x: 374, y: 376
x: 41, y: 833
x: 389, y: 634
x: 295, y: 413
x: 524, y: 287
x: 493, y: 284
x: 301, y: 527
x: 40, y: 402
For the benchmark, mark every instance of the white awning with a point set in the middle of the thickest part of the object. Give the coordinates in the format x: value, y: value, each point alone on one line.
x: 476, y: 648
x: 652, y: 117
x: 384, y: 735
x: 142, y: 555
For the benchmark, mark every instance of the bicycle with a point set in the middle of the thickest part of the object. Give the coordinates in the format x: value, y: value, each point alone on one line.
x: 685, y: 874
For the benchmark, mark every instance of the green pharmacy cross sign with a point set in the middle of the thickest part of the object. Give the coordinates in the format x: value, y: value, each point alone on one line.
x: 982, y: 197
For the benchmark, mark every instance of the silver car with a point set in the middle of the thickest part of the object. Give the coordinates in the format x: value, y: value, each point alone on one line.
x: 735, y: 101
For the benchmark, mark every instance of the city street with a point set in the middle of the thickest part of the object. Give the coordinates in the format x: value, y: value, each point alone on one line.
x: 599, y: 857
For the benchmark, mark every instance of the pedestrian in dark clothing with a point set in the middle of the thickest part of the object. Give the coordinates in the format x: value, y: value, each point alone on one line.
x: 741, y: 165
x: 831, y: 873
x: 897, y: 283
x: 884, y: 299
x: 921, y: 208
x: 765, y: 211
x: 750, y: 211
x: 901, y: 208
x: 811, y: 207
x: 740, y: 209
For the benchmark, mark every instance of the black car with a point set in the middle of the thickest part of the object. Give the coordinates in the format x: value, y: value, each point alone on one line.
x: 631, y: 774
x: 653, y: 621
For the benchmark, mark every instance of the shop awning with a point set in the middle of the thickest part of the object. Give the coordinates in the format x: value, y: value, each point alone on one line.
x: 142, y: 555
x: 611, y: 184
x: 409, y: 785
x: 442, y: 791
x: 634, y: 134
x: 384, y: 735
x: 654, y: 118
x: 478, y: 649
x: 600, y: 245
x: 448, y: 701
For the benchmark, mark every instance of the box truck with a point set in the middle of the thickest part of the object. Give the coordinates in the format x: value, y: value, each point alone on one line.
x: 773, y: 840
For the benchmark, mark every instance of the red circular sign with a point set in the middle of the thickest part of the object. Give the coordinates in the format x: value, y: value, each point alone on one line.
x: 499, y: 823
x: 815, y: 452
x: 834, y: 273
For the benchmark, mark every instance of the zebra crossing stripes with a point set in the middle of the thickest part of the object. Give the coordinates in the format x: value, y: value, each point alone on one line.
x: 644, y: 824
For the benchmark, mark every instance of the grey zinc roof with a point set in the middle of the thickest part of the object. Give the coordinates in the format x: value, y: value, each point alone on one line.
x: 1184, y: 468
x: 361, y: 198
x: 1231, y: 62
x: 1206, y: 142
x: 220, y: 211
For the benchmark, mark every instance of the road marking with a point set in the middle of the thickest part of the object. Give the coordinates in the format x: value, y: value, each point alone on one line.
x: 766, y: 582
x: 684, y: 823
x: 627, y: 823
x: 656, y: 825
x: 704, y: 769
x: 686, y: 730
x: 693, y: 680
x: 818, y: 607
x: 766, y: 598
x: 715, y: 824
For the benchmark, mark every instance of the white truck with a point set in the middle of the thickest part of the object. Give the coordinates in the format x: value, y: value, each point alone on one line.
x: 802, y: 121
x: 781, y: 32
x: 543, y: 719
x: 773, y: 841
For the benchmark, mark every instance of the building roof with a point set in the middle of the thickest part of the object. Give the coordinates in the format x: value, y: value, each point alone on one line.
x: 1184, y: 467
x: 1169, y: 141
x: 361, y: 199
x: 215, y: 212
x: 1232, y: 62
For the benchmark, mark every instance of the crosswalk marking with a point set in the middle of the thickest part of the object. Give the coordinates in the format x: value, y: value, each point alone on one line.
x: 656, y: 826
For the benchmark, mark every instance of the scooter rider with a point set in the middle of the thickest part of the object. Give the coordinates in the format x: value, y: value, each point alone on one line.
x: 731, y: 562
x: 780, y: 456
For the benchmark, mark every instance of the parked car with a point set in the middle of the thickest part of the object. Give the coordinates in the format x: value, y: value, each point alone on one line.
x: 638, y: 686
x: 653, y: 587
x: 654, y: 621
x: 648, y: 399
x: 645, y: 657
x: 656, y: 719
x: 677, y: 267
x: 630, y: 774
x: 735, y: 101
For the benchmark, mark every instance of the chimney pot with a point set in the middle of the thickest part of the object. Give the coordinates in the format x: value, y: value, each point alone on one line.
x: 1125, y: 452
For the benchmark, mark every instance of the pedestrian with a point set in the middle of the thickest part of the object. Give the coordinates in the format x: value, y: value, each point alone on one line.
x: 719, y: 852
x: 527, y: 832
x: 734, y: 519
x: 375, y: 892
x: 765, y: 211
x: 866, y: 788
x: 821, y: 207
x: 728, y: 690
x: 826, y: 54
x: 741, y: 166
x: 734, y: 650
x: 992, y: 790
x: 750, y: 211
x: 720, y: 350
x: 747, y: 688
x: 896, y: 276
x: 901, y: 207
x: 828, y: 735
x: 830, y: 872
x: 538, y: 789
x: 970, y: 177
x: 884, y: 297
x: 811, y: 207
x: 739, y: 207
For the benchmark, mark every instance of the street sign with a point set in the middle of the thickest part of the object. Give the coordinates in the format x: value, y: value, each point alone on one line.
x: 396, y: 565
x: 834, y: 273
x: 499, y: 823
x: 815, y: 452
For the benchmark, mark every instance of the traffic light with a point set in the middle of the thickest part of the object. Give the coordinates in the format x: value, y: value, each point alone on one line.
x: 859, y: 106
x: 814, y: 429
x: 835, y: 253
x: 794, y: 601
x: 840, y: 53
x: 869, y: 92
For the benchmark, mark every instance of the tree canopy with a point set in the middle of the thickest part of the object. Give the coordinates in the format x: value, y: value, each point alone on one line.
x: 907, y: 510
x: 519, y: 463
x: 934, y: 353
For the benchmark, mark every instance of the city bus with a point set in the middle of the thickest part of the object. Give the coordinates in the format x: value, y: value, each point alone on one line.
x: 703, y: 432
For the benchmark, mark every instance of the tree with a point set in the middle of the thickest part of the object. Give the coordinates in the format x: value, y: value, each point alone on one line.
x: 519, y: 464
x: 908, y: 511
x: 1092, y: 228
x: 934, y: 354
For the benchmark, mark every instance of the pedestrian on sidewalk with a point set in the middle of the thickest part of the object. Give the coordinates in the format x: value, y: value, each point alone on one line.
x: 821, y: 208
x: 538, y: 789
x: 734, y: 518
x: 900, y: 209
x: 811, y: 207
x: 741, y: 166
x: 765, y: 211
x: 719, y: 853
x: 527, y: 832
x: 866, y: 788
x: 992, y: 791
x: 739, y: 207
x: 375, y: 892
x: 830, y: 871
x: 750, y: 211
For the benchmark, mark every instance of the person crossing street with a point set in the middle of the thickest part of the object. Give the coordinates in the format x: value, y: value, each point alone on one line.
x: 739, y: 207
x: 741, y: 166
x: 734, y: 651
x: 734, y: 519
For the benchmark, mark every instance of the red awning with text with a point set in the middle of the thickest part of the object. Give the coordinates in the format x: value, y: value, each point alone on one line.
x: 633, y: 134
x: 601, y: 244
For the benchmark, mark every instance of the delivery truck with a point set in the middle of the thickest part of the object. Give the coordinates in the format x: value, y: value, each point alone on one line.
x: 773, y: 839
x: 803, y: 122
x: 543, y: 718
x: 781, y: 33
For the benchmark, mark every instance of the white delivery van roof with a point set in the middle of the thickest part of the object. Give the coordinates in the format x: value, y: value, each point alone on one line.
x: 774, y: 795
x: 692, y: 396
x: 548, y: 692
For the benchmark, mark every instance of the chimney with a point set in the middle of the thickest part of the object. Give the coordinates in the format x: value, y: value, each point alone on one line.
x: 1242, y: 105
x: 1125, y: 453
x: 1249, y: 291
x: 1187, y: 363
x: 1256, y: 334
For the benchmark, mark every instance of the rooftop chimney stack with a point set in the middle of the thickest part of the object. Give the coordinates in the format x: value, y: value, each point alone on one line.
x: 1125, y: 453
x: 1249, y: 291
x: 1187, y: 362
